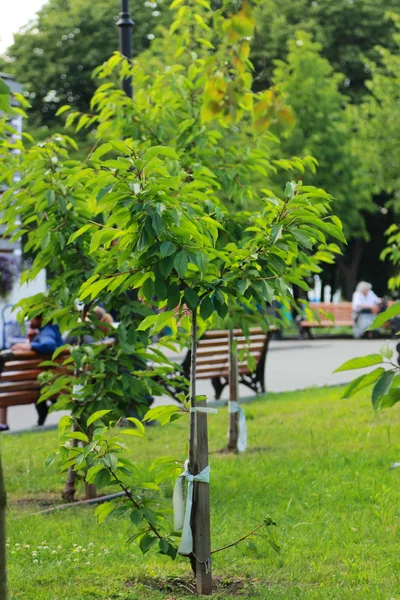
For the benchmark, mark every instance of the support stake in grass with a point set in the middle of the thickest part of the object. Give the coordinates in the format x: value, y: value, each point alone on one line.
x: 233, y: 394
x: 3, y: 503
x: 198, y: 460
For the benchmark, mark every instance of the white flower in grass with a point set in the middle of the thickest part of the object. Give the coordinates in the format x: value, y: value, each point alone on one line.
x: 36, y: 561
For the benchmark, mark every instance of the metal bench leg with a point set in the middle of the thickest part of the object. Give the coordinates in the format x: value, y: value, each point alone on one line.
x: 218, y: 386
x: 42, y: 411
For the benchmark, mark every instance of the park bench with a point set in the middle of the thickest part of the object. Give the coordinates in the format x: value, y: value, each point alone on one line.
x: 20, y: 383
x: 213, y: 358
x: 19, y: 378
x: 341, y: 312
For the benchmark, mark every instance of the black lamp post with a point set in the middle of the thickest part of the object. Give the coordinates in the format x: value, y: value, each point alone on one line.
x: 125, y: 25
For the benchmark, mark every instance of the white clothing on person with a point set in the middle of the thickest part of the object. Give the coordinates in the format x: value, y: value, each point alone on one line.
x: 370, y: 300
x: 362, y: 320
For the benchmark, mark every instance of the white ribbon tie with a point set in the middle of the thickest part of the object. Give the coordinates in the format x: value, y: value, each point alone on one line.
x: 234, y: 407
x: 182, y: 515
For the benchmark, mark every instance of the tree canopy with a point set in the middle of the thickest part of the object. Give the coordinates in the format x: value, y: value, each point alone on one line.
x: 55, y: 54
x: 348, y: 31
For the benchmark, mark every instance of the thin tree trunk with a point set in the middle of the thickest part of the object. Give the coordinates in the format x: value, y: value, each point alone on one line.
x: 68, y: 492
x: 90, y: 488
x: 90, y: 491
x: 198, y: 460
x: 233, y: 394
x: 3, y: 503
x: 350, y: 271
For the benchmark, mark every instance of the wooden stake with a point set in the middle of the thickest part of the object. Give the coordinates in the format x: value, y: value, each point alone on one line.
x: 233, y: 394
x: 198, y: 460
x: 3, y: 570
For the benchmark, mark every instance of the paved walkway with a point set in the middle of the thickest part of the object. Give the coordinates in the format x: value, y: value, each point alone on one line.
x: 291, y: 365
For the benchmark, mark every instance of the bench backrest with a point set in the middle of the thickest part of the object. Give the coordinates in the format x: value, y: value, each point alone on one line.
x: 342, y: 311
x: 213, y: 352
x: 19, y: 376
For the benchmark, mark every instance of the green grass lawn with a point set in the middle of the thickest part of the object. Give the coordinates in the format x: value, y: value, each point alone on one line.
x: 317, y: 464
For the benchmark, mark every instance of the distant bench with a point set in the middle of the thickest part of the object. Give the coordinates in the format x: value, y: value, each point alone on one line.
x: 342, y: 313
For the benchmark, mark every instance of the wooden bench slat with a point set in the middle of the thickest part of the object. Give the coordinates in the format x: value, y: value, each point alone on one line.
x: 25, y: 397
x: 27, y: 374
x: 18, y: 386
x: 18, y: 365
x: 204, y: 343
x: 254, y: 350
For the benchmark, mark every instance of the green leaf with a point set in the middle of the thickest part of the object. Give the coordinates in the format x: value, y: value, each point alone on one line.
x: 136, y: 516
x: 96, y: 416
x: 77, y: 435
x: 146, y: 542
x: 202, y: 262
x: 162, y: 414
x: 206, y: 308
x: 160, y: 151
x: 62, y: 109
x: 389, y: 399
x: 111, y: 460
x: 163, y: 545
x: 191, y: 298
x: 362, y: 382
x: 173, y: 296
x: 382, y: 387
x: 158, y: 224
x: 138, y: 424
x: 167, y: 248
x: 166, y: 265
x: 4, y: 89
x: 79, y: 232
x: 386, y: 315
x: 276, y: 233
x: 148, y: 289
x: 92, y: 472
x: 181, y: 262
x: 101, y: 150
x: 302, y: 238
x: 360, y: 363
x: 132, y: 432
x: 103, y: 510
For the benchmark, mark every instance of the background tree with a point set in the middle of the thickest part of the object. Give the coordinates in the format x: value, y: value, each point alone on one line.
x: 325, y: 128
x: 347, y: 30
x: 54, y: 55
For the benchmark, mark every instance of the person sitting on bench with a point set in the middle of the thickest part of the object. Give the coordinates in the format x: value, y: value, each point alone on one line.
x: 365, y: 305
x: 42, y: 340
